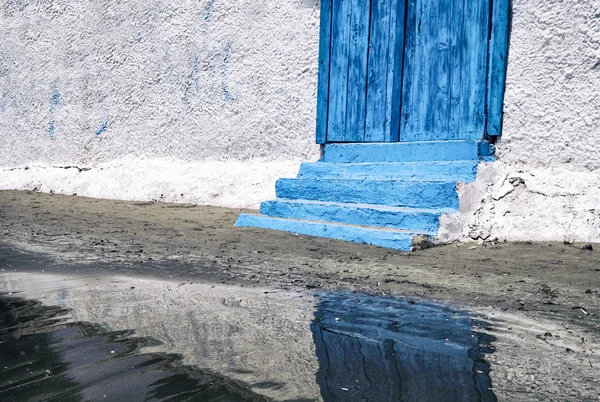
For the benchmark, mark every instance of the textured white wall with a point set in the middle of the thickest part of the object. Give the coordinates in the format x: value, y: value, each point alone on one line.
x: 553, y: 91
x: 141, y: 84
x: 223, y: 93
x: 195, y: 80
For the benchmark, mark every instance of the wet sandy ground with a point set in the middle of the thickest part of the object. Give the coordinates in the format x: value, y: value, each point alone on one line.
x: 542, y: 297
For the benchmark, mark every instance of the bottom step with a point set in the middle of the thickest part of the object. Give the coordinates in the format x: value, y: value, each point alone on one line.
x: 396, y: 239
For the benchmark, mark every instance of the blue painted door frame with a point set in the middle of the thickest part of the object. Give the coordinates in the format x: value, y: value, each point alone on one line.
x: 410, y: 70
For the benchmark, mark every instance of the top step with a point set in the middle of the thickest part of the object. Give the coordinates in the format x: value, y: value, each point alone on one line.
x: 407, y: 151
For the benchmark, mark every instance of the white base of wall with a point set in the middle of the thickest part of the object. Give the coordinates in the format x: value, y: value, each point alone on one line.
x: 505, y: 202
x: 227, y: 184
x: 523, y: 204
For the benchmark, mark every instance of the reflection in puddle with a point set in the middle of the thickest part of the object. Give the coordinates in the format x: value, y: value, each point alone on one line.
x: 383, y: 349
x: 236, y: 344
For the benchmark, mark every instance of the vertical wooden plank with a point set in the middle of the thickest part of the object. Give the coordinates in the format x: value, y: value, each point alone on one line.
x: 357, y: 70
x: 338, y: 79
x: 430, y: 66
x: 497, y: 66
x: 419, y: 69
x: 442, y: 74
x: 324, y: 60
x: 395, y: 70
x: 407, y: 122
x: 457, y: 49
x: 483, y: 37
x: 474, y: 69
x: 375, y: 124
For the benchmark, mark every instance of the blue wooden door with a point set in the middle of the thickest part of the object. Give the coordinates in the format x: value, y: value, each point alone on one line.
x: 366, y: 49
x: 408, y: 70
x: 445, y: 70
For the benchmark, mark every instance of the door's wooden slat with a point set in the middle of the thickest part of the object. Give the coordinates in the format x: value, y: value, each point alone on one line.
x: 357, y: 70
x: 456, y: 54
x: 497, y: 65
x: 324, y: 64
x: 375, y: 126
x: 430, y: 67
x: 407, y: 123
x: 474, y: 69
x: 395, y: 67
x: 442, y: 74
x: 339, y: 70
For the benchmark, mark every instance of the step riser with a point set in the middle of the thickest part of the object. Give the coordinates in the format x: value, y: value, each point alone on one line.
x: 421, y: 222
x: 389, y: 239
x: 450, y: 171
x: 402, y: 152
x: 390, y: 193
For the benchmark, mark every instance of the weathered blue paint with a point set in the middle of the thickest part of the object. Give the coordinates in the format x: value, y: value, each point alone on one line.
x: 227, y: 95
x: 208, y: 9
x: 356, y: 101
x: 51, y: 130
x: 395, y: 193
x: 445, y: 70
x: 402, y: 152
x: 418, y: 220
x: 55, y: 99
x: 394, y: 239
x: 395, y: 72
x: 427, y: 75
x: 497, y: 65
x: 449, y: 171
x: 379, y: 60
x: 324, y: 64
x: 399, y: 195
x: 359, y: 92
x: 102, y: 129
x: 338, y: 77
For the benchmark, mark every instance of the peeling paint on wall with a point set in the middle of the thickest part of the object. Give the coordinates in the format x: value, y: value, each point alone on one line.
x: 225, y: 75
x: 102, y: 128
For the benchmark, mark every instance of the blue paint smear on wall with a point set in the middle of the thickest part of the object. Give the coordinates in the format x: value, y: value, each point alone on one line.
x: 193, y: 80
x: 56, y: 98
x: 224, y: 75
x: 55, y: 102
x: 102, y: 128
x: 208, y: 9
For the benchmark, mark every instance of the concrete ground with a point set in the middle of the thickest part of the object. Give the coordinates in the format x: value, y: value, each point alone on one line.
x: 543, y: 298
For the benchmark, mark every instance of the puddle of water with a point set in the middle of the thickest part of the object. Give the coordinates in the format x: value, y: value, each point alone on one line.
x: 44, y: 358
x: 383, y: 349
x: 234, y: 344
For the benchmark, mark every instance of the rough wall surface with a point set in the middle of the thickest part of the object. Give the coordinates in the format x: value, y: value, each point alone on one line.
x: 88, y: 83
x: 208, y: 88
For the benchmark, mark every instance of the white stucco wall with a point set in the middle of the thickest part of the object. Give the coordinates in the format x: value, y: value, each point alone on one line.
x: 140, y: 85
x: 215, y: 99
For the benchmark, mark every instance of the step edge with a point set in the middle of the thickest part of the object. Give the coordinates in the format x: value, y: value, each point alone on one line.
x: 337, y: 224
x: 386, y: 208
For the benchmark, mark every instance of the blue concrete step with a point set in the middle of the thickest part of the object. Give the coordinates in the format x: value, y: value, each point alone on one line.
x: 406, y: 152
x: 394, y: 193
x: 442, y: 171
x: 396, y: 239
x: 419, y: 220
